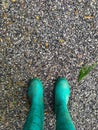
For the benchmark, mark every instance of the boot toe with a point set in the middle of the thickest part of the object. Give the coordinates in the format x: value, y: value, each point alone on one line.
x: 35, y: 88
x: 62, y: 91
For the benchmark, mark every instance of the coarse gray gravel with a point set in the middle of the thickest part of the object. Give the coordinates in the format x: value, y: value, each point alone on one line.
x: 48, y: 39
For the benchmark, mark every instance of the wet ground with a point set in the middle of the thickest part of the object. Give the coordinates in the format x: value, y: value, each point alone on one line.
x: 48, y: 39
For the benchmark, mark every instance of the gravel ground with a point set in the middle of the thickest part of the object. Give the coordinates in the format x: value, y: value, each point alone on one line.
x: 48, y: 39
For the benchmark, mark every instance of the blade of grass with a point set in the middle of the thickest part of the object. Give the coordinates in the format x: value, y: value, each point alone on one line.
x: 85, y: 70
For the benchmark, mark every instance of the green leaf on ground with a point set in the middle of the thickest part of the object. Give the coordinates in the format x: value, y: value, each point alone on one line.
x: 85, y: 70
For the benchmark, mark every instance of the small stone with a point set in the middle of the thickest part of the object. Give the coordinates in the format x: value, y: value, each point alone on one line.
x: 13, y: 1
x: 22, y: 17
x: 11, y: 105
x: 1, y: 40
x: 9, y: 23
x: 5, y: 16
x: 5, y: 5
x: 79, y: 56
x: 76, y: 12
x: 88, y: 17
x: 8, y: 39
x: 81, y: 63
x: 35, y: 40
x: 61, y: 40
x: 47, y: 44
x: 20, y: 83
x: 37, y: 17
x: 46, y: 113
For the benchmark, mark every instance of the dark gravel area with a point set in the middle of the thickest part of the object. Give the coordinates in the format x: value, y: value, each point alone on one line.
x: 48, y: 39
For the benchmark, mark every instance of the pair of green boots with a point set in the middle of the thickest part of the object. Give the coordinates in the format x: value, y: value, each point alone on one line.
x: 35, y: 118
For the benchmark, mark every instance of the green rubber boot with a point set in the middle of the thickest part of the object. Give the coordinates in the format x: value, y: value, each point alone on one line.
x: 62, y: 94
x: 35, y: 118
